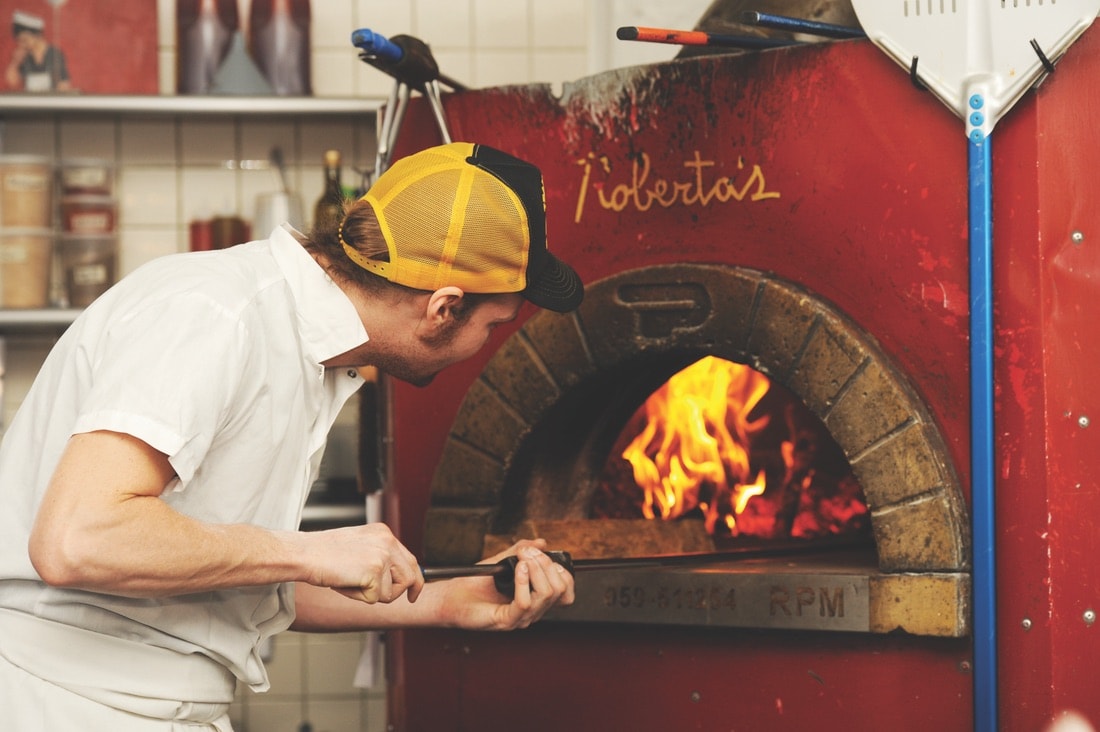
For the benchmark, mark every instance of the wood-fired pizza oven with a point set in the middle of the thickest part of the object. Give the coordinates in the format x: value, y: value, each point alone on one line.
x: 801, y: 212
x: 530, y: 439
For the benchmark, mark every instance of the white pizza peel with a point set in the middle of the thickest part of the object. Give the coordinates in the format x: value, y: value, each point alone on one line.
x: 958, y: 48
x: 978, y: 57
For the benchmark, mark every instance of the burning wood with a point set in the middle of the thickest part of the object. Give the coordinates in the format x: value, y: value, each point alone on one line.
x: 720, y: 441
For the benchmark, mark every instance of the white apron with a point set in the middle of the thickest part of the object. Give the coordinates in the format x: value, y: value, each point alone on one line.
x: 56, y: 678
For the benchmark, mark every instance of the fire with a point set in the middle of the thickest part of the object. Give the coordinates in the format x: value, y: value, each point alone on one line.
x: 693, y: 451
x: 694, y: 455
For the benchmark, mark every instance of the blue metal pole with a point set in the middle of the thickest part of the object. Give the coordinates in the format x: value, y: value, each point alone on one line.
x: 981, y: 429
x: 800, y: 25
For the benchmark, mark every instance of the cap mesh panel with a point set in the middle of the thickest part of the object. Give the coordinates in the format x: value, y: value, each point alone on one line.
x: 414, y: 201
x: 498, y: 227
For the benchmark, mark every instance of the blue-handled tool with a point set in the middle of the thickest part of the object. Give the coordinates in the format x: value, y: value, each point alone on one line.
x: 376, y: 45
x: 409, y: 61
x: 800, y: 25
x: 405, y: 58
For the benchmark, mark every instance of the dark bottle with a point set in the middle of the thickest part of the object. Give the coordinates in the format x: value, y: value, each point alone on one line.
x: 330, y: 206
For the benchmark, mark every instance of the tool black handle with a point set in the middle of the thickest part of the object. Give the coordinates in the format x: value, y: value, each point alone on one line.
x: 506, y: 581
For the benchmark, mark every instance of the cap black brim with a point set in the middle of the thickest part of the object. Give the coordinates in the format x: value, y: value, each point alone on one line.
x: 556, y: 288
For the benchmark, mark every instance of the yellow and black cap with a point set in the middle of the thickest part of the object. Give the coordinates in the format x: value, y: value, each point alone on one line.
x: 470, y: 216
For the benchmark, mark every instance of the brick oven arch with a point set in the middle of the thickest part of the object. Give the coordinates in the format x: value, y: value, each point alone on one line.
x: 576, y: 376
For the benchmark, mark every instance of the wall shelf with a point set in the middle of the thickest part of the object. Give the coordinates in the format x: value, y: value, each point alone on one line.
x: 334, y: 515
x: 196, y: 105
x: 29, y: 106
x: 44, y: 320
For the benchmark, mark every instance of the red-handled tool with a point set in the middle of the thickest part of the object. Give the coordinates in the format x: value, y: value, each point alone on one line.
x: 698, y: 38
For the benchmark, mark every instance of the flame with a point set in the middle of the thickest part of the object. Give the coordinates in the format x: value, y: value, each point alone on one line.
x: 693, y: 450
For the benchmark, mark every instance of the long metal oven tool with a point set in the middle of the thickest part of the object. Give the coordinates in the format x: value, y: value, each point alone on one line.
x: 503, y: 572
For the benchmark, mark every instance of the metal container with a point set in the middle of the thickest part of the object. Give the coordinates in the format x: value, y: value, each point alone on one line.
x: 89, y: 265
x: 86, y: 177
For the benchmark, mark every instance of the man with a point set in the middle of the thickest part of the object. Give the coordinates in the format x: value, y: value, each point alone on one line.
x: 35, y: 65
x: 152, y: 482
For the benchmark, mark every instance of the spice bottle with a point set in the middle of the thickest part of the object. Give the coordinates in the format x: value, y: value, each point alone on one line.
x: 330, y: 206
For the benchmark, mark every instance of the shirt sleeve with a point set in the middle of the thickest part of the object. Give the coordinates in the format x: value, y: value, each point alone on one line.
x: 166, y: 374
x: 62, y: 66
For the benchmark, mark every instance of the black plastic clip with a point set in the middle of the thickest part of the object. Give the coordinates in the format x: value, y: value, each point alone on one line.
x: 913, y: 76
x: 1047, y: 63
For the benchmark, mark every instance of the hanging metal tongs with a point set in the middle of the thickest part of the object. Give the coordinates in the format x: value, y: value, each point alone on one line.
x: 409, y: 61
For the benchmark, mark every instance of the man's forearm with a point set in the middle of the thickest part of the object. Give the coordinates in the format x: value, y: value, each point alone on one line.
x: 471, y: 603
x: 324, y: 610
x: 147, y: 549
x: 102, y: 526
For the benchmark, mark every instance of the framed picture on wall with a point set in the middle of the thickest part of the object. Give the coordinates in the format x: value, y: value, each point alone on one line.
x: 79, y: 46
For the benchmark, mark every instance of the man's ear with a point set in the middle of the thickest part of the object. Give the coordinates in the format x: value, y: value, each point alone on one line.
x: 441, y: 305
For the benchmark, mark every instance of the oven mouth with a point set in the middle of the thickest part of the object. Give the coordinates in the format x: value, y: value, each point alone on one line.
x: 526, y: 450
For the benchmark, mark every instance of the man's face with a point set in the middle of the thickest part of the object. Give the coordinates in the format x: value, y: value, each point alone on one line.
x: 24, y: 39
x: 419, y: 364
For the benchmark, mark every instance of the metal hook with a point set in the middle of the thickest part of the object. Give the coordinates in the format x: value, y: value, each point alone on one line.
x: 1047, y: 63
x: 913, y: 76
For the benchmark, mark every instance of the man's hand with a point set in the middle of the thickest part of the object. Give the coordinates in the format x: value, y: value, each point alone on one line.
x: 473, y: 603
x: 365, y: 563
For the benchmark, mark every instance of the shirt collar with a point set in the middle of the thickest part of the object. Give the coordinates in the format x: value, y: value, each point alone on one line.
x: 327, y: 320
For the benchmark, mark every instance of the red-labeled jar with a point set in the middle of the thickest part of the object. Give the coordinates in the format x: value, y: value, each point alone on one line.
x: 88, y: 214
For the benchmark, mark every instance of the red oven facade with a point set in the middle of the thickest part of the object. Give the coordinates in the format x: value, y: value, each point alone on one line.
x: 822, y: 166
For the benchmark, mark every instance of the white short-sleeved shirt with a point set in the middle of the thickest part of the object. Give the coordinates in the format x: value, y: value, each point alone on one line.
x: 214, y: 359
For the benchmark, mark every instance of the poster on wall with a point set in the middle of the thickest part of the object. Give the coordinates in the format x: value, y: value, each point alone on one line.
x: 79, y: 46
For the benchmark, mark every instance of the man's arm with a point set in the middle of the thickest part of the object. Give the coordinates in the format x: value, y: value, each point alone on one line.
x: 472, y: 603
x: 11, y: 73
x: 102, y: 526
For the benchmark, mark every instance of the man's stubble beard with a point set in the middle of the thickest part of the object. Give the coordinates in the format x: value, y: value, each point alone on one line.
x: 399, y: 367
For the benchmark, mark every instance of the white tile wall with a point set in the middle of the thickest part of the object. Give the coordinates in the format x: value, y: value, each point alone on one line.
x: 174, y: 170
x: 311, y: 682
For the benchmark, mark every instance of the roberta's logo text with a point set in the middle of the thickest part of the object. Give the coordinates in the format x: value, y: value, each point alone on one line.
x: 695, y: 188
